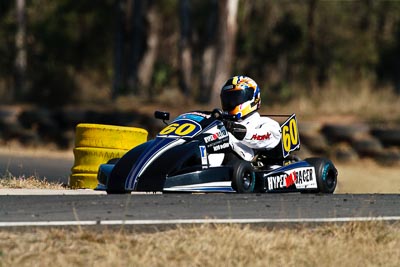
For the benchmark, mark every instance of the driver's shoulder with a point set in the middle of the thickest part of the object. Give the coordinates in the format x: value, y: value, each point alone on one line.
x: 268, y: 120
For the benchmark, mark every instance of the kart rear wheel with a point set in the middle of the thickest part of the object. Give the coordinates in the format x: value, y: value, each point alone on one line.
x: 243, y: 178
x: 326, y: 174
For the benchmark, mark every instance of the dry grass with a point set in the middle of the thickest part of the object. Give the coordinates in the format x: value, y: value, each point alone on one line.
x: 367, y: 177
x: 32, y: 182
x: 335, y: 101
x: 352, y: 244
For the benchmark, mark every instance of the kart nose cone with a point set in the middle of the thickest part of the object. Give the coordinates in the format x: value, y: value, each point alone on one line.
x: 104, y: 174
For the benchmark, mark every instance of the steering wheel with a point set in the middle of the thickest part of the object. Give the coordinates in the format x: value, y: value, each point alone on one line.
x: 217, y: 113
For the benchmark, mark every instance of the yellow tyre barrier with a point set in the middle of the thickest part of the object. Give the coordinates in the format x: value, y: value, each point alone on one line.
x: 88, y: 159
x: 108, y: 136
x: 96, y: 144
x: 83, y: 180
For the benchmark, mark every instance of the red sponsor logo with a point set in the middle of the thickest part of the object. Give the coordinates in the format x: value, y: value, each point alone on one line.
x: 215, y: 136
x: 261, y: 137
x: 291, y: 179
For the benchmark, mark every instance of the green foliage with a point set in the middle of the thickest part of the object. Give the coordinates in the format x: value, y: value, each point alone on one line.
x: 62, y: 37
x: 349, y: 41
x: 162, y: 72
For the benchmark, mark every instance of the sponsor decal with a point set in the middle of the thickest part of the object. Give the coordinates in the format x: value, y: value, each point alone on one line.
x: 261, y: 137
x: 300, y: 178
x: 290, y: 136
x: 220, y: 147
x: 291, y: 179
x: 304, y: 176
x: 212, y: 144
x: 180, y: 128
x: 218, y: 135
x: 196, y: 116
x: 203, y: 154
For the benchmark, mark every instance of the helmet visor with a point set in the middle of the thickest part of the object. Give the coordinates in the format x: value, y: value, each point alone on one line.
x: 232, y: 98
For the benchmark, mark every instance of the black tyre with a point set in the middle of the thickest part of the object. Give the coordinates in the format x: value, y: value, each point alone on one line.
x: 347, y: 133
x: 388, y: 137
x: 113, y: 161
x: 326, y: 174
x: 243, y: 177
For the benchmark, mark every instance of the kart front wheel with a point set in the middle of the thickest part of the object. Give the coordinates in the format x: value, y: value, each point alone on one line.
x: 243, y: 178
x: 326, y: 174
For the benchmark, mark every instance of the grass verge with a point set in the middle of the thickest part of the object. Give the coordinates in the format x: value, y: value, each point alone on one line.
x: 11, y: 182
x: 340, y: 102
x: 367, y: 177
x: 350, y: 244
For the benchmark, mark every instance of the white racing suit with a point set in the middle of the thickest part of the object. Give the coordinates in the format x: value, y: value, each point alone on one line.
x: 262, y: 133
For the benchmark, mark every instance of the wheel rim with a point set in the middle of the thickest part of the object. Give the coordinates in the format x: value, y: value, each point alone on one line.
x: 247, y: 180
x: 330, y: 179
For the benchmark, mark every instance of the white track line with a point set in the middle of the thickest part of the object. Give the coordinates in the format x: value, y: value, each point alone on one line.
x: 200, y: 221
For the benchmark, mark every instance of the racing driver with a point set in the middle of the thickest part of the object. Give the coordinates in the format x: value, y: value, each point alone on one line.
x: 248, y: 131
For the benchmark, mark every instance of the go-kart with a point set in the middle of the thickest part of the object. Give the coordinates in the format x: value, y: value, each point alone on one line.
x: 193, y: 154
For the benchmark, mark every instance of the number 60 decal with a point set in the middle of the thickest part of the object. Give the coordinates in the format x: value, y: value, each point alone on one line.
x: 180, y: 128
x: 290, y: 136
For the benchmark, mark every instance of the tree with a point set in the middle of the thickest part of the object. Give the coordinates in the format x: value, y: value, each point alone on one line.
x: 208, y: 59
x: 21, y: 53
x: 310, y: 49
x: 146, y: 65
x: 185, y: 50
x: 119, y: 35
x: 227, y: 28
x: 135, y: 46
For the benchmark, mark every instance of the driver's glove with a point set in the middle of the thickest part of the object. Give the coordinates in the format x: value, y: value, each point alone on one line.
x: 238, y: 130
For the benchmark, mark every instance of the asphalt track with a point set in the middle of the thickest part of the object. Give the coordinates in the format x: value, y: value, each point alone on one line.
x: 156, y: 209
x: 88, y: 207
x: 52, y: 167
